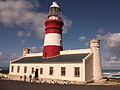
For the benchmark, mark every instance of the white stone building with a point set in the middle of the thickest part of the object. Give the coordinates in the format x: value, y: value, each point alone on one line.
x: 82, y: 65
x: 73, y: 65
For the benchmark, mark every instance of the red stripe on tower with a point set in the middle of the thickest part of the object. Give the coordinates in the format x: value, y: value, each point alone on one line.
x: 53, y: 34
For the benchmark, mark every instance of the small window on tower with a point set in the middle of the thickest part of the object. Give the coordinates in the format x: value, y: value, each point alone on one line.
x: 12, y: 68
x: 51, y: 71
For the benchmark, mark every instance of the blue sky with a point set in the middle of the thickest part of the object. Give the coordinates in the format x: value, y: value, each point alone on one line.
x: 84, y: 19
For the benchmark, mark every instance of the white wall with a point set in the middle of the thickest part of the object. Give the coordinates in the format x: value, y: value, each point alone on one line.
x: 89, y: 68
x: 57, y: 71
x: 57, y: 67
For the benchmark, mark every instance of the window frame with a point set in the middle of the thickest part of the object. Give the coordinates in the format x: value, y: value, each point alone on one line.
x: 25, y: 69
x: 76, y: 71
x: 41, y: 71
x: 63, y: 71
x: 51, y: 71
x: 12, y: 68
x: 32, y: 70
x: 18, y: 69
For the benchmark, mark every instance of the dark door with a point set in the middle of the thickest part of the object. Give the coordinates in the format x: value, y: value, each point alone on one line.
x: 36, y: 73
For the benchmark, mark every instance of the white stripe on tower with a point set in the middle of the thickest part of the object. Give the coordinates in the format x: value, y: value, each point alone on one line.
x: 52, y: 39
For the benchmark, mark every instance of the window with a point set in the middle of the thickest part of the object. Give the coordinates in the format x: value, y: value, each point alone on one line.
x: 12, y: 68
x: 32, y: 70
x: 41, y: 70
x: 51, y: 71
x: 63, y: 71
x: 18, y: 69
x: 25, y: 69
x: 77, y: 71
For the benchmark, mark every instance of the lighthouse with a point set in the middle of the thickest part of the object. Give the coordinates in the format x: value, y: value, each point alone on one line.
x: 55, y: 65
x: 53, y: 32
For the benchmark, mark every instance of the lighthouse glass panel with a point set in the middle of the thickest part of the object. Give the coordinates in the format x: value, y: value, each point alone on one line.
x: 54, y: 11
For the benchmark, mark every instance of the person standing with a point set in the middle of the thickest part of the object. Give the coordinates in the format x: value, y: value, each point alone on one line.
x: 30, y: 77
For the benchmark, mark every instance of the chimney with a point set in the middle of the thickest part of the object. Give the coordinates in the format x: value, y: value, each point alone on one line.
x: 26, y: 51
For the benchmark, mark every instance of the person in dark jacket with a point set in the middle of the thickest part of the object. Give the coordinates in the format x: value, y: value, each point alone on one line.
x: 30, y: 77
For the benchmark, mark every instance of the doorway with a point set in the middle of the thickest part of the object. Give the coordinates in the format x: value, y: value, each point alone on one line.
x: 36, y: 73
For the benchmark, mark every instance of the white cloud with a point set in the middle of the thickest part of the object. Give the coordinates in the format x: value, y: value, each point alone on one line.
x: 23, y: 34
x: 82, y: 38
x: 110, y: 40
x: 87, y: 44
x: 28, y: 34
x: 6, y: 58
x: 115, y: 64
x: 0, y: 53
x: 23, y: 42
x: 20, y: 34
x: 34, y: 49
x: 67, y: 25
x: 21, y: 13
x: 111, y: 44
x: 101, y: 30
x: 41, y: 47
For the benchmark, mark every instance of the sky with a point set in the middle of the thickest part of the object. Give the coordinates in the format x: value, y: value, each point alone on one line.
x: 22, y: 26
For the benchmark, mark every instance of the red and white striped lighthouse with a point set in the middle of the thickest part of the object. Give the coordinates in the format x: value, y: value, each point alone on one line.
x: 53, y: 33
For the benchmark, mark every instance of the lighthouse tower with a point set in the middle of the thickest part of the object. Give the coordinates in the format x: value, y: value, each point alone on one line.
x: 97, y: 68
x: 53, y: 32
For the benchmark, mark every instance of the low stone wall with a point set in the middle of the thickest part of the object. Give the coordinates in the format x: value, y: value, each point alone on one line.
x: 42, y: 80
x: 3, y: 75
x: 53, y: 81
x: 17, y: 77
x: 48, y: 80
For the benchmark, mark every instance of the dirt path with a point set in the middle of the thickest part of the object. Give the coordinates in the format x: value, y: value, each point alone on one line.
x: 19, y: 85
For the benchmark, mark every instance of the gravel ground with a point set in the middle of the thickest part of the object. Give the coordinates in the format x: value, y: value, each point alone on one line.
x: 20, y: 85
